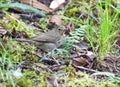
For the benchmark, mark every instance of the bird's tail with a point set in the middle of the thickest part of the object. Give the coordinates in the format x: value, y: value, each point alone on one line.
x: 25, y: 40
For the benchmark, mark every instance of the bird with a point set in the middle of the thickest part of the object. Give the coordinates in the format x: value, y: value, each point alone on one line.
x: 47, y: 41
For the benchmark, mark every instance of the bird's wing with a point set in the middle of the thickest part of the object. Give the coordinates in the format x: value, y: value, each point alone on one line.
x: 25, y: 40
x: 45, y: 38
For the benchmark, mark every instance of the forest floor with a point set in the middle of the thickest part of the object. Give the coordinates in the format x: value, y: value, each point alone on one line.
x: 89, y: 55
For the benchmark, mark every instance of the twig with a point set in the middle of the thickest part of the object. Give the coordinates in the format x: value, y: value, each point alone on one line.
x: 84, y: 68
x: 91, y: 70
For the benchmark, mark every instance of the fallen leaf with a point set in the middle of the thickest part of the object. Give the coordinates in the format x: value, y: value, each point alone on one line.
x: 3, y: 31
x: 51, y: 79
x: 19, y: 34
x: 82, y: 46
x: 70, y: 28
x: 90, y: 55
x: 79, y: 48
x: 49, y: 61
x: 80, y: 61
x: 54, y: 81
x: 36, y: 4
x: 55, y: 19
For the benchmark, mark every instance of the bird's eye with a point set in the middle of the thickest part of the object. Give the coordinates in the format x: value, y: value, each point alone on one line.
x: 59, y: 29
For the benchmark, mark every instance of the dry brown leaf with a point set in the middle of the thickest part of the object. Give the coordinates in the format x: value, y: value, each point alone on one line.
x: 80, y: 61
x: 117, y: 41
x: 19, y: 34
x: 3, y: 31
x: 55, y: 19
x: 70, y: 28
x: 36, y: 4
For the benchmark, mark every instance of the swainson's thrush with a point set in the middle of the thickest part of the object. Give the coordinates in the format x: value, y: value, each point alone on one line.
x: 47, y: 41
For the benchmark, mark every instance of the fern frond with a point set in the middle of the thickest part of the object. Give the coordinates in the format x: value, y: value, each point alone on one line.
x: 68, y: 42
x: 74, y: 37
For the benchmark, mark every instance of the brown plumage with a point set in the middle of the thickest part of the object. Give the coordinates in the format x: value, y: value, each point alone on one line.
x: 47, y: 41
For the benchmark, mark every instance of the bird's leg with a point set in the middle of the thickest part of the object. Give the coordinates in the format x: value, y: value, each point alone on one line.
x: 50, y: 53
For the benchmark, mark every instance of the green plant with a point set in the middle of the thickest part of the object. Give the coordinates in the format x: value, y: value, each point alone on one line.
x: 16, y: 24
x: 110, y: 75
x: 5, y: 1
x: 83, y: 80
x: 68, y: 42
x: 24, y: 81
x: 101, y: 36
x: 43, y: 23
x: 21, y: 6
x: 75, y: 37
x: 106, y: 29
x: 6, y: 67
x: 8, y: 60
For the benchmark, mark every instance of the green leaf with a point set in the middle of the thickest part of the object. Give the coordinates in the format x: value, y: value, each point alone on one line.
x: 21, y: 6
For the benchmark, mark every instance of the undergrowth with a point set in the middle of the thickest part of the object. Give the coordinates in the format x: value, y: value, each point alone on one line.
x: 99, y: 17
x: 6, y: 67
x: 69, y: 41
x: 100, y: 37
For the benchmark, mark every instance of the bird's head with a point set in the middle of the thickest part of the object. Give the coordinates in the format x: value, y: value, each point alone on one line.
x: 61, y: 29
